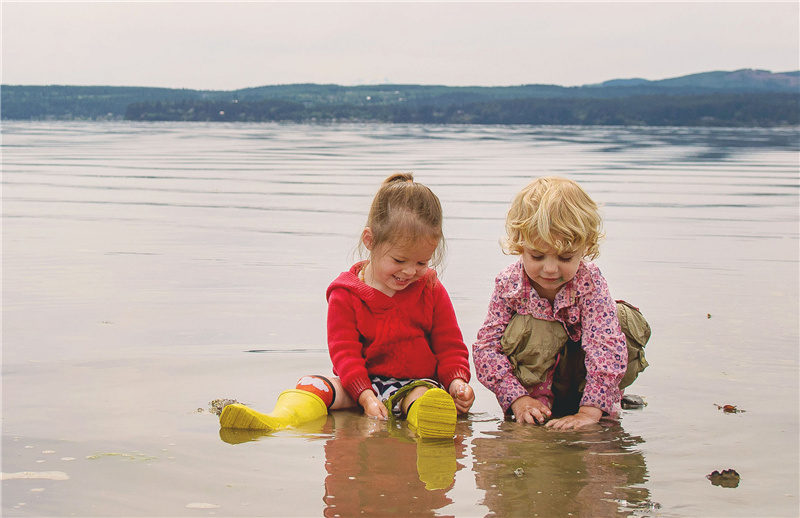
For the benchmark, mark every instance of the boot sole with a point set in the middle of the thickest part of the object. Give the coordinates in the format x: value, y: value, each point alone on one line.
x: 436, y: 415
x: 244, y: 418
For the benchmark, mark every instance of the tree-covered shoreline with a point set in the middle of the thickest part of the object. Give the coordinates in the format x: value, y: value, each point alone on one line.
x: 728, y: 110
x: 744, y: 98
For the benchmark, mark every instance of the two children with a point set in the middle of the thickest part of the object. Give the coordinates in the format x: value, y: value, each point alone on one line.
x: 551, y: 343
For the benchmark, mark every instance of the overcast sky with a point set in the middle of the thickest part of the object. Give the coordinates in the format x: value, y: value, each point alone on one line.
x: 226, y: 46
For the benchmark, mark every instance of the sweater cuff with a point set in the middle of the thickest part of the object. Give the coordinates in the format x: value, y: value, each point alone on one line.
x: 509, y: 391
x: 447, y: 380
x: 606, y: 399
x: 355, y: 387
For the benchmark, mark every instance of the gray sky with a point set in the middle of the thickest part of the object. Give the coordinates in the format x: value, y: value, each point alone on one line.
x: 226, y: 46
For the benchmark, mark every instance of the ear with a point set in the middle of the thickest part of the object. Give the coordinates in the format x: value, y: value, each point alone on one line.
x: 367, y: 238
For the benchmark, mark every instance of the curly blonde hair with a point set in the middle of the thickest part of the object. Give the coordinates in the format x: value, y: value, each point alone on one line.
x: 555, y: 213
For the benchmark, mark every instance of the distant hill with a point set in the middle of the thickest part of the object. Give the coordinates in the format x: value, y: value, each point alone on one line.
x: 769, y: 99
x: 747, y: 80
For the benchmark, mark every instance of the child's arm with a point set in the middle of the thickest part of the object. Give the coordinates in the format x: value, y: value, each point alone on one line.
x: 606, y: 356
x: 605, y: 347
x: 452, y: 355
x: 345, y: 347
x: 492, y: 367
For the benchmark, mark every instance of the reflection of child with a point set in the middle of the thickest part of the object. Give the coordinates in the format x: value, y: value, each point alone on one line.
x: 393, y: 337
x: 548, y: 310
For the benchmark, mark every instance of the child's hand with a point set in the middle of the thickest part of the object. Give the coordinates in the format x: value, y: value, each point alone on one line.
x: 372, y: 405
x: 462, y: 394
x: 586, y: 415
x: 529, y: 410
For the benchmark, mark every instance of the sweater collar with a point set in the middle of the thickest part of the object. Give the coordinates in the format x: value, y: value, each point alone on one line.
x: 375, y: 299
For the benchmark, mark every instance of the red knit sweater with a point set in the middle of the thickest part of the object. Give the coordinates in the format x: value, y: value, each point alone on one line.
x: 412, y: 335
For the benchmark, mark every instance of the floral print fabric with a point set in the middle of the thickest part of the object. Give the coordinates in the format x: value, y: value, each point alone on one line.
x: 589, y: 314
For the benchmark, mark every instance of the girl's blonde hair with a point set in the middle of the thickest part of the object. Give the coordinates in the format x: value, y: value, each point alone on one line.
x: 404, y: 211
x: 555, y: 213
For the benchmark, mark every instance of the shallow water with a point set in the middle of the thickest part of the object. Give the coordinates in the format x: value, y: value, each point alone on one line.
x: 151, y: 268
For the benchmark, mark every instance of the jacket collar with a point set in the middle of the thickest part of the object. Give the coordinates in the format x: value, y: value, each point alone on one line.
x: 518, y: 286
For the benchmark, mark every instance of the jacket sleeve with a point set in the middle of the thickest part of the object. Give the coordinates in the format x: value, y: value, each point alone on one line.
x: 344, y: 345
x: 447, y: 343
x: 492, y: 367
x: 606, y: 350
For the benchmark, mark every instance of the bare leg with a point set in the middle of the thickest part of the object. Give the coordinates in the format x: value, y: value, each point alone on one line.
x: 343, y: 399
x: 411, y: 397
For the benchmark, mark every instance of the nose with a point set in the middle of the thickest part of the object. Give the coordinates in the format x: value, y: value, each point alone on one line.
x: 550, y: 266
x: 410, y: 270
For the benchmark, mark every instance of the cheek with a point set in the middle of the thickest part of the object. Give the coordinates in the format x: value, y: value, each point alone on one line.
x: 573, y: 269
x: 530, y: 268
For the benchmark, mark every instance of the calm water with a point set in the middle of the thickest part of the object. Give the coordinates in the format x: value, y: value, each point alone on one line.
x: 151, y: 268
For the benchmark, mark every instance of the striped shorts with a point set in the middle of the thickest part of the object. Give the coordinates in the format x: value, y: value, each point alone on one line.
x: 392, y: 390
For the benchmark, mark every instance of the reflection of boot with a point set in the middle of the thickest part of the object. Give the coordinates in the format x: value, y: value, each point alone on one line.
x: 436, y: 462
x: 294, y: 407
x: 238, y: 436
x: 433, y: 415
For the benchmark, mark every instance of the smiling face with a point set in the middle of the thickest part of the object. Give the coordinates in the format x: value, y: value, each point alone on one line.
x: 394, y: 267
x: 548, y: 270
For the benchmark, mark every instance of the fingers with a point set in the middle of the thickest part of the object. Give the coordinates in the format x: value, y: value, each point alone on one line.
x: 462, y: 395
x: 373, y: 407
x: 570, y: 422
x: 558, y: 424
x: 464, y: 399
x: 531, y: 415
x: 457, y: 388
x: 529, y: 410
x: 463, y: 406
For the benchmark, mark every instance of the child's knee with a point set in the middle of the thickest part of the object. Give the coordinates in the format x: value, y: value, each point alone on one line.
x: 320, y: 386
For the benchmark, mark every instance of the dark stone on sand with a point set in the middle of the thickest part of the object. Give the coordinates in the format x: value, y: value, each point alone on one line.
x: 632, y: 401
x: 726, y: 478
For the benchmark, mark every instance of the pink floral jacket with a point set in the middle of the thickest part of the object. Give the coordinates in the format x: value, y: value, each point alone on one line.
x: 589, y: 314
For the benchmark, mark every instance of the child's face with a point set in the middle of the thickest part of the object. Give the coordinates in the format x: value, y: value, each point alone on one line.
x: 549, y: 270
x: 393, y: 268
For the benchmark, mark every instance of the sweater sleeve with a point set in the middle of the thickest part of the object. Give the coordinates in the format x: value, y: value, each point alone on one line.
x: 606, y: 350
x: 492, y: 367
x: 344, y: 345
x: 447, y: 343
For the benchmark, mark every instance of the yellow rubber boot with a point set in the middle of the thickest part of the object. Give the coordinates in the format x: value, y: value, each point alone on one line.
x: 294, y: 407
x: 433, y: 415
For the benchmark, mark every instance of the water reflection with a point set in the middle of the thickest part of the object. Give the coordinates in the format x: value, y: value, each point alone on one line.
x: 533, y: 471
x: 378, y: 468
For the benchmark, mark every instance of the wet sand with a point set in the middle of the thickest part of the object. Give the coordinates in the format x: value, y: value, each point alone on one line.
x: 139, y: 286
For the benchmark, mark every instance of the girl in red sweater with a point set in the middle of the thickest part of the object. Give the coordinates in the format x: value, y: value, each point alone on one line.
x: 393, y: 337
